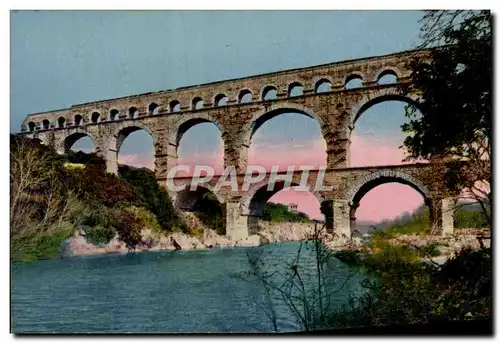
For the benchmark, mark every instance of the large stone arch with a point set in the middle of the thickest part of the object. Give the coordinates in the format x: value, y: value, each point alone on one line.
x: 186, y: 198
x: 254, y: 200
x: 66, y: 142
x: 116, y: 139
x: 376, y: 97
x: 252, y: 204
x: 366, y: 183
x: 271, y: 111
x: 123, y: 130
x: 184, y: 124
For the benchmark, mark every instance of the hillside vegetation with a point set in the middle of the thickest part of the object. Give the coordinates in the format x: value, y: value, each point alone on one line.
x: 279, y: 213
x: 51, y: 199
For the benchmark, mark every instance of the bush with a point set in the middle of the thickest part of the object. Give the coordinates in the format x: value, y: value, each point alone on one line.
x: 430, y: 250
x: 96, y: 186
x: 40, y: 246
x: 147, y: 219
x: 411, y: 292
x: 128, y: 227
x: 99, y: 235
x: 280, y: 213
x: 153, y: 198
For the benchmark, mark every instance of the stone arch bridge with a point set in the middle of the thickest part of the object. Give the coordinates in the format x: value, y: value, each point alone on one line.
x: 238, y: 107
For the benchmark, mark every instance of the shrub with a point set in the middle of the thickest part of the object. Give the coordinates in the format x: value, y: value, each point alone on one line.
x: 128, y: 227
x: 430, y: 250
x: 147, y: 219
x: 40, y: 246
x: 99, y: 235
x: 155, y: 199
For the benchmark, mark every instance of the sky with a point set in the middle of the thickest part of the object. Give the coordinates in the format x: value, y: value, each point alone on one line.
x: 60, y: 58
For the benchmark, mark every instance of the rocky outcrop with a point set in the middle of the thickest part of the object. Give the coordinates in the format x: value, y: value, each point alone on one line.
x: 448, y: 244
x: 78, y: 245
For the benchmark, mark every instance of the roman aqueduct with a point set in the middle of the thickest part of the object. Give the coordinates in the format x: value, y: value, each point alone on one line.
x: 238, y: 108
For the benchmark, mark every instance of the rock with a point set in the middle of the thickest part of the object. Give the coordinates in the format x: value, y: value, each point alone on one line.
x: 250, y: 241
x: 212, y: 239
x: 176, y: 245
x: 77, y: 245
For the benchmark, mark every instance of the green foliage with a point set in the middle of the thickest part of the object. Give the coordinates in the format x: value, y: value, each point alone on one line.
x: 280, y: 213
x: 152, y: 196
x: 49, y: 201
x: 454, y: 84
x: 209, y: 211
x: 418, y: 222
x: 39, y: 245
x: 147, y: 219
x: 128, y: 227
x: 430, y: 250
x: 464, y: 218
x: 96, y: 186
x: 409, y: 292
x: 349, y: 257
x: 99, y: 235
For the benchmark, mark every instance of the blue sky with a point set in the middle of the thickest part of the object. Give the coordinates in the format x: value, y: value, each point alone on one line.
x: 60, y: 58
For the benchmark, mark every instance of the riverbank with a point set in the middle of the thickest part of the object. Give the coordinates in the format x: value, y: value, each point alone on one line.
x: 444, y: 247
x: 426, y: 248
x: 153, y: 241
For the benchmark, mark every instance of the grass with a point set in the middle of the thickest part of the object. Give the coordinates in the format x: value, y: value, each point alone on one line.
x: 40, y: 246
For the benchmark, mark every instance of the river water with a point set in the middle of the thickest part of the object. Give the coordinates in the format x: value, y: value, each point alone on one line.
x: 160, y: 292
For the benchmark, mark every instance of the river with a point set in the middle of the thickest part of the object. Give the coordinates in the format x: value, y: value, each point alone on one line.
x: 158, y: 292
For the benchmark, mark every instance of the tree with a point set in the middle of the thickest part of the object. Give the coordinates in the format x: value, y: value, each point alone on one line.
x: 454, y: 83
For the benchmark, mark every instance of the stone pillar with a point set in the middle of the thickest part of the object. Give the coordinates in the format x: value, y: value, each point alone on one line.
x: 337, y: 216
x: 337, y: 148
x: 165, y: 160
x: 235, y: 154
x: 235, y: 223
x: 111, y: 157
x: 327, y: 211
x: 442, y: 215
x: 341, y: 218
x: 253, y: 224
x: 352, y: 216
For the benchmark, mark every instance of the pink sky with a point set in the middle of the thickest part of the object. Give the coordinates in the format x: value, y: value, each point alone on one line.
x: 386, y: 201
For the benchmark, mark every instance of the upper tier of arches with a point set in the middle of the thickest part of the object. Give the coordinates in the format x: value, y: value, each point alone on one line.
x: 293, y: 86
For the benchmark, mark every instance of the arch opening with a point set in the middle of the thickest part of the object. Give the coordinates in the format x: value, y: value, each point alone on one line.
x: 377, y: 136
x: 390, y: 204
x: 199, y: 142
x: 295, y: 89
x: 353, y: 81
x: 113, y: 114
x: 135, y: 147
x: 269, y: 93
x: 133, y: 112
x: 95, y: 117
x: 285, y: 137
x: 245, y: 97
x: 46, y: 124
x: 387, y: 77
x: 174, y: 106
x: 32, y: 126
x: 79, y: 141
x: 153, y: 109
x: 220, y: 100
x: 61, y: 122
x: 197, y: 103
x: 282, y: 204
x: 323, y: 86
x: 203, y: 204
x: 78, y: 120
